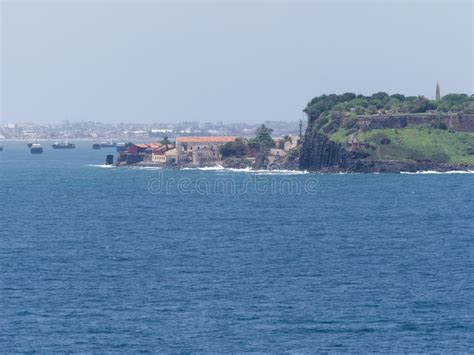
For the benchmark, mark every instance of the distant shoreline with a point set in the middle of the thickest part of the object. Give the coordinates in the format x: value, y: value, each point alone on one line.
x: 71, y: 140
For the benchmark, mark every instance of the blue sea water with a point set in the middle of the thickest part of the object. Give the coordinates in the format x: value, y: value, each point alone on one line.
x: 96, y: 259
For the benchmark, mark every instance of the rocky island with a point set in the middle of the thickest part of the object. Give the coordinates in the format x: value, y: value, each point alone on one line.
x: 345, y: 133
x: 388, y: 133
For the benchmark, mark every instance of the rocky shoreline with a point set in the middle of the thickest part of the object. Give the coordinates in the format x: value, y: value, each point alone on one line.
x: 319, y: 154
x: 356, y: 166
x: 381, y: 166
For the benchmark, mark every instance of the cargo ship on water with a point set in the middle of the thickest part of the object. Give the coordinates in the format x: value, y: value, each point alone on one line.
x: 63, y: 145
x: 36, y: 148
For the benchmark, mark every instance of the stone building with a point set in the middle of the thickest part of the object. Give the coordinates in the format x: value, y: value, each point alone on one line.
x: 171, y: 156
x: 200, y: 150
x: 291, y: 142
x: 205, y: 156
x: 164, y: 156
x: 158, y: 158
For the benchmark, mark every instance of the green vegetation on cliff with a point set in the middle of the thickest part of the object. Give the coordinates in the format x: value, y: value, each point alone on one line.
x: 324, y: 107
x: 388, y: 128
x: 263, y: 139
x: 415, y: 143
x: 262, y: 142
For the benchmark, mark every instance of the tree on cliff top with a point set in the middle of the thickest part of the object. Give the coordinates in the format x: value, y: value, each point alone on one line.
x: 236, y: 148
x: 165, y: 141
x: 348, y: 104
x: 263, y: 138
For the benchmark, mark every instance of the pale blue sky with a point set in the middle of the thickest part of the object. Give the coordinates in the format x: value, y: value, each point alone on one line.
x: 150, y: 61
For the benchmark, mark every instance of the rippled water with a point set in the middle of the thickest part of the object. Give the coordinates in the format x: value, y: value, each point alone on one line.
x: 99, y: 260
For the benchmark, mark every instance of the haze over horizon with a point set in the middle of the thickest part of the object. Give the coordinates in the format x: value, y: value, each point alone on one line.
x: 232, y: 62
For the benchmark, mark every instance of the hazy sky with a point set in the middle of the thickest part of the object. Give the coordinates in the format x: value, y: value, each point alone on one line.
x: 154, y: 61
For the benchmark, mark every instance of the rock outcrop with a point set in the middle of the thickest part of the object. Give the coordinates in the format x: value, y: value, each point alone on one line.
x: 320, y: 154
x: 388, y: 133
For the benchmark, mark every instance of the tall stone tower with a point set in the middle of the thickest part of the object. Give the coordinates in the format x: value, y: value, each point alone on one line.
x: 438, y: 93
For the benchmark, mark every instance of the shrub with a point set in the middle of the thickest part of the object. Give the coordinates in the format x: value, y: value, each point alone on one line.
x: 236, y: 148
x: 438, y: 124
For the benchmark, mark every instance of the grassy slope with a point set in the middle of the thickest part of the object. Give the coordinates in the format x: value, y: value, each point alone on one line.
x: 416, y: 143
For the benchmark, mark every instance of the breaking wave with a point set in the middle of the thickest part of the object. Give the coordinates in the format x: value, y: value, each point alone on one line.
x: 126, y: 167
x: 439, y: 172
x: 103, y: 166
x: 251, y: 171
x: 146, y: 167
x: 218, y: 168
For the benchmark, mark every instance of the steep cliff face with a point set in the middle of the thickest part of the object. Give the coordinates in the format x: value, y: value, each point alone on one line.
x: 318, y: 152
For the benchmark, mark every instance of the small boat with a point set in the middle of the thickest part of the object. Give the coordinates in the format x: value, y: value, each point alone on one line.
x: 1, y: 147
x: 96, y: 146
x: 36, y: 148
x: 63, y: 145
x: 29, y: 144
x: 108, y: 145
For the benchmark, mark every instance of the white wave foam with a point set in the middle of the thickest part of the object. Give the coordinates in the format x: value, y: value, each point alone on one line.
x: 217, y: 168
x: 205, y: 168
x: 280, y: 172
x: 127, y: 167
x: 103, y: 166
x: 146, y: 167
x: 251, y: 171
x: 439, y: 172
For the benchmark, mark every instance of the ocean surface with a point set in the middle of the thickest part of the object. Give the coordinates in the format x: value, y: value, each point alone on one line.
x: 96, y: 259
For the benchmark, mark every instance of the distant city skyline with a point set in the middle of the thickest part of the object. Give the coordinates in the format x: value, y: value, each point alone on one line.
x: 141, y: 131
x: 232, y: 62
